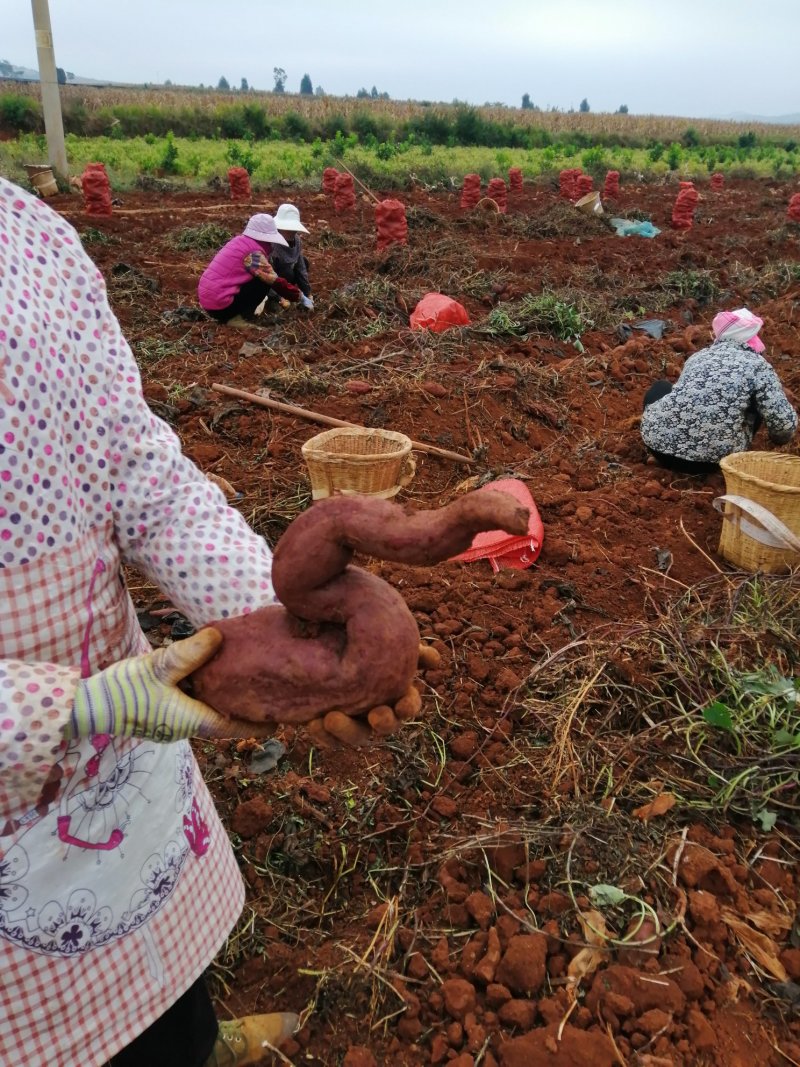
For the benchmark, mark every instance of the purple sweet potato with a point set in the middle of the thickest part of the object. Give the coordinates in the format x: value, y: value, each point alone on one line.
x: 341, y: 638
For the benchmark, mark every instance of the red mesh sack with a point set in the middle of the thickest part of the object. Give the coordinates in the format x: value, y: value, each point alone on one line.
x: 496, y: 190
x: 344, y: 192
x: 239, y: 182
x: 438, y: 313
x: 583, y: 185
x: 568, y: 183
x: 329, y: 176
x: 685, y: 204
x: 794, y: 208
x: 390, y: 218
x: 515, y: 179
x: 470, y: 191
x: 96, y: 189
x: 611, y: 185
x: 717, y: 181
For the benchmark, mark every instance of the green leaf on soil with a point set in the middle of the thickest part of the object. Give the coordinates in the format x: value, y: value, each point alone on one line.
x: 766, y: 819
x: 606, y: 896
x: 718, y: 714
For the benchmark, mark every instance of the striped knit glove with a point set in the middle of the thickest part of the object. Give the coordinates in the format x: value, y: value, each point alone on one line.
x: 139, y: 697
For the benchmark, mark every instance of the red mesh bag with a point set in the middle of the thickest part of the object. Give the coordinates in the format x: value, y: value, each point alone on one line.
x: 438, y: 313
x: 96, y: 189
x: 611, y: 185
x: 794, y: 208
x: 390, y: 218
x: 568, y: 183
x: 496, y: 190
x: 583, y: 185
x: 344, y: 192
x: 515, y: 179
x: 239, y: 182
x: 470, y: 191
x: 685, y: 204
x: 717, y: 181
x: 329, y: 176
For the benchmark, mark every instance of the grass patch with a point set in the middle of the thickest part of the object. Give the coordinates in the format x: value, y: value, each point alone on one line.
x: 209, y: 237
x: 699, y: 285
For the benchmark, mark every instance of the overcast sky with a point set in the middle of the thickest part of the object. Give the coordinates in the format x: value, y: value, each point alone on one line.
x: 680, y: 57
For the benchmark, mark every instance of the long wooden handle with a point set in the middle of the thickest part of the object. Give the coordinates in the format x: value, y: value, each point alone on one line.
x: 327, y: 420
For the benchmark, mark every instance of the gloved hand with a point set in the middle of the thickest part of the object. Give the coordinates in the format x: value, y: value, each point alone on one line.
x: 139, y: 697
x: 307, y: 301
x: 337, y: 730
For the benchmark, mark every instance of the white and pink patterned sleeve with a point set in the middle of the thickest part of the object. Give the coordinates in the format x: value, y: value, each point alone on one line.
x: 171, y: 522
x: 35, y: 703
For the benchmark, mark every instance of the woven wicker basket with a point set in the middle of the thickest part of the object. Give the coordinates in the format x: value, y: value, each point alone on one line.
x: 358, y: 460
x: 771, y: 480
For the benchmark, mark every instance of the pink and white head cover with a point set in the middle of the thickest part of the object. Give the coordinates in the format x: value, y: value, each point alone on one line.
x: 741, y: 326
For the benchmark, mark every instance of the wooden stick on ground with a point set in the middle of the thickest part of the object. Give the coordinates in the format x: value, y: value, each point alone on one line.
x: 328, y: 420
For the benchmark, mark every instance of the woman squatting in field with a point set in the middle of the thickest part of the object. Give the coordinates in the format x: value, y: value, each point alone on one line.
x: 240, y: 276
x: 722, y: 396
x: 288, y: 260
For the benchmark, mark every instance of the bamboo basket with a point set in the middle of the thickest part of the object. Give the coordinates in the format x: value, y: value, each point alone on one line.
x: 761, y: 511
x: 41, y: 178
x: 358, y: 460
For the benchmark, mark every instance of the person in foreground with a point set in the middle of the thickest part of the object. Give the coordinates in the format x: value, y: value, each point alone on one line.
x: 240, y: 277
x: 722, y: 396
x: 118, y: 884
x: 288, y: 260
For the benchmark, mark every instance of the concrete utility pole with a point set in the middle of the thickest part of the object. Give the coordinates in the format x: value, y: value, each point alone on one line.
x: 48, y: 79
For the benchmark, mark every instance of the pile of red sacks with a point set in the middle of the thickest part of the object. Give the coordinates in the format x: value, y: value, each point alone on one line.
x: 239, y: 182
x: 390, y: 219
x: 717, y: 181
x: 329, y: 176
x: 794, y: 208
x: 496, y: 190
x: 611, y: 185
x: 96, y: 189
x: 568, y: 183
x: 684, y: 207
x: 515, y: 179
x: 470, y: 191
x: 344, y: 193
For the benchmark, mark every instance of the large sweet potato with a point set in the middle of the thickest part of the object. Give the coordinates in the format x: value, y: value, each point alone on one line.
x: 341, y: 638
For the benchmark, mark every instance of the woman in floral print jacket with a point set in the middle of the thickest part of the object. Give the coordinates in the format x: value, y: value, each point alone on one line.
x: 722, y: 396
x: 117, y: 881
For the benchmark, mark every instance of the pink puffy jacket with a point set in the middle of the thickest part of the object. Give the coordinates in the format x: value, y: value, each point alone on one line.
x: 226, y: 273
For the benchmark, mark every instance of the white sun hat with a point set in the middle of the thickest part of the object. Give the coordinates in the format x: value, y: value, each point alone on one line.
x: 287, y: 217
x: 263, y: 228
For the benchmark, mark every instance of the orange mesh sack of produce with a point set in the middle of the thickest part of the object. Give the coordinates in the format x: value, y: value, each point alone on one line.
x: 568, y: 183
x: 470, y: 191
x: 344, y: 193
x: 794, y: 208
x: 438, y: 313
x: 390, y: 219
x: 96, y: 189
x: 583, y: 185
x: 239, y: 182
x: 611, y: 185
x: 329, y: 176
x: 717, y: 181
x: 497, y: 191
x: 515, y: 179
x: 685, y: 204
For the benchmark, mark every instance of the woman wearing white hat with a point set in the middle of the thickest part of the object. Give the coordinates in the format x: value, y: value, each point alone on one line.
x: 287, y: 258
x: 240, y: 275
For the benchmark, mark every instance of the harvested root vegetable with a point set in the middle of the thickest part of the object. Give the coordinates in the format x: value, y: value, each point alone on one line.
x: 342, y: 639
